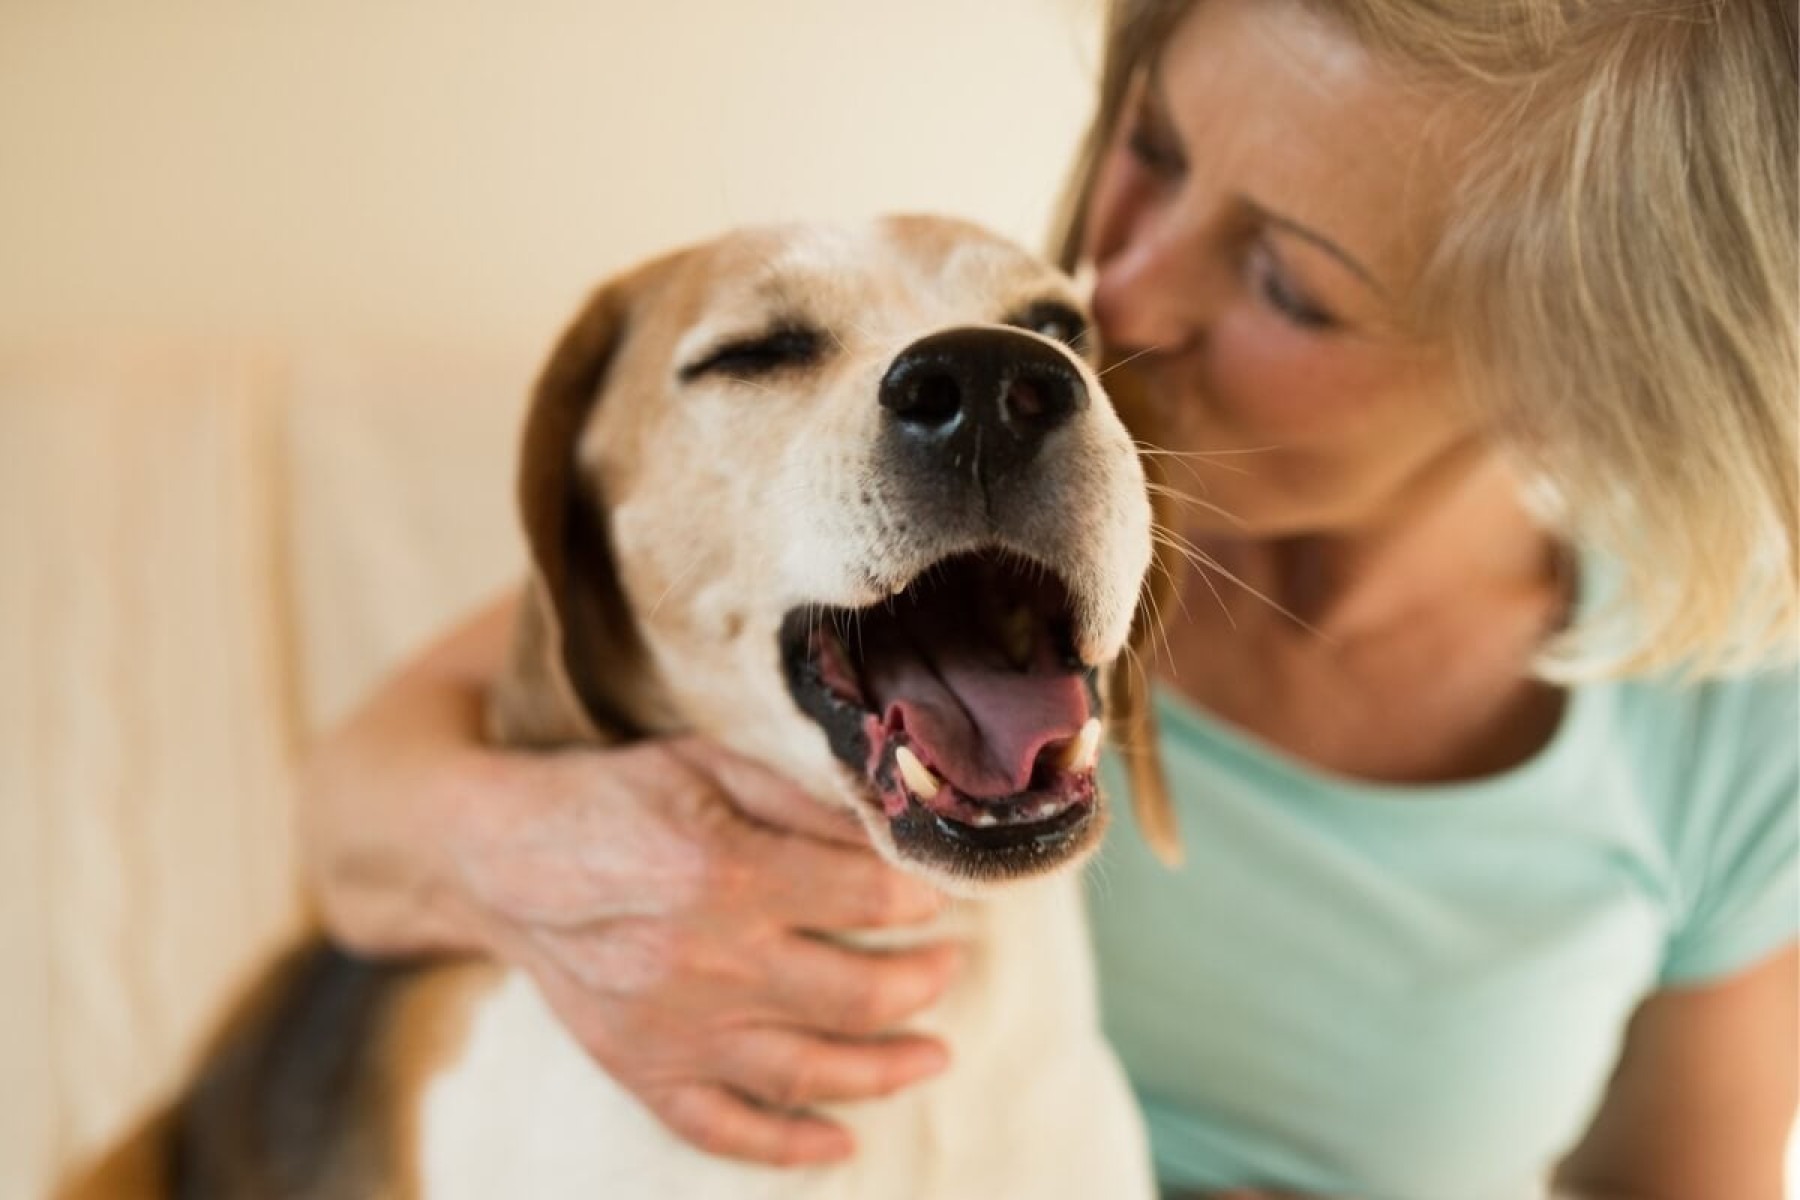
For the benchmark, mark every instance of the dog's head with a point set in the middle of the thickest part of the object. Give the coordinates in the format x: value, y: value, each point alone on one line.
x: 854, y: 503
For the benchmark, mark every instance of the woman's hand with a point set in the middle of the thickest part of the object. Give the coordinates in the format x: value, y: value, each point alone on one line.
x: 667, y: 897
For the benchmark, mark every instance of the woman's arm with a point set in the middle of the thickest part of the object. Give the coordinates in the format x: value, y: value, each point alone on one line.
x: 378, y: 789
x: 1703, y: 1100
x: 666, y: 896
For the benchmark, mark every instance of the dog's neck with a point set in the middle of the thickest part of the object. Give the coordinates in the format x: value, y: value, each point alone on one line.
x: 1016, y: 942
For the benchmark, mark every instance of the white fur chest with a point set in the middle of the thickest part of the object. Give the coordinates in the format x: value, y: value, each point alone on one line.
x: 1034, y: 1105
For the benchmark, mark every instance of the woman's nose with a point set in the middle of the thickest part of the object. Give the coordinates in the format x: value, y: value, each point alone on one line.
x: 1152, y: 290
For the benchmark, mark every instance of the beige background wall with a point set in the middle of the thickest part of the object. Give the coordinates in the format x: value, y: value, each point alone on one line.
x: 459, y: 170
x: 273, y: 278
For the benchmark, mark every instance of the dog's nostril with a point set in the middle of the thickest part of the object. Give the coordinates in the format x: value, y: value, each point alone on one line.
x: 931, y: 400
x: 1024, y: 400
x: 1036, y: 399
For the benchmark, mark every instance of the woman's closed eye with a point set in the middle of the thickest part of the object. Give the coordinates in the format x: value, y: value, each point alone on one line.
x: 1275, y: 283
x: 1154, y: 148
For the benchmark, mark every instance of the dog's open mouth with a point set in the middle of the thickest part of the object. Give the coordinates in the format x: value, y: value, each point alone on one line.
x: 962, y: 702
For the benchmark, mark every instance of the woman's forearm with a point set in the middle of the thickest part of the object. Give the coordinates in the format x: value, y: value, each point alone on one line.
x: 666, y: 898
x: 380, y: 789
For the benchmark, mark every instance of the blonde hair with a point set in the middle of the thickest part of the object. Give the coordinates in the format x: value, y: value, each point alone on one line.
x: 1618, y: 281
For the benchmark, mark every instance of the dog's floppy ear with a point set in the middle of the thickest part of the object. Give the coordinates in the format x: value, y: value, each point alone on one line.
x: 577, y: 655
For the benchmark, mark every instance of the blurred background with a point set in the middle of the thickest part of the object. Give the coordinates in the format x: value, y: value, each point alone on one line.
x: 273, y: 281
x: 274, y: 278
x: 460, y: 171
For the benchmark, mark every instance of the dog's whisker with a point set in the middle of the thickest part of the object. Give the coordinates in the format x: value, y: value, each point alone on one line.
x: 1130, y: 358
x: 1200, y: 561
x: 864, y: 332
x: 675, y: 581
x: 1153, y: 450
x: 1189, y: 500
x: 1151, y: 610
x: 1205, y: 565
x: 831, y: 333
x: 1192, y: 471
x: 1193, y: 468
x: 1160, y: 627
x: 1191, y: 460
x: 1158, y: 633
x: 744, y: 381
x: 881, y: 345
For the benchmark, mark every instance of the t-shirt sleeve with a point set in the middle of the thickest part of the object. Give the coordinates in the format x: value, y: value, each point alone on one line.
x: 1739, y: 857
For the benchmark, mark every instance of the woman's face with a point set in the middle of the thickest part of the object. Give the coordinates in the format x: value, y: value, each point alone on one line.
x: 1260, y: 212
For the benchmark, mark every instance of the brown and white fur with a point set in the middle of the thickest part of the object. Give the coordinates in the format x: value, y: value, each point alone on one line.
x: 735, y: 452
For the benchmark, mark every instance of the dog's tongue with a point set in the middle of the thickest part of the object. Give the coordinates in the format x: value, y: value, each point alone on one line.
x: 976, y: 720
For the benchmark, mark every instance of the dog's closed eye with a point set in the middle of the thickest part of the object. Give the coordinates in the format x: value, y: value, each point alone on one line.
x: 781, y: 348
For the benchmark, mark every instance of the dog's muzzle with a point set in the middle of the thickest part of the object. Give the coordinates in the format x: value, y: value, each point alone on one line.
x: 959, y: 697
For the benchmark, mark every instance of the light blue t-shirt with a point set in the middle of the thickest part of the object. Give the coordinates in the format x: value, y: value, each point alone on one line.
x: 1418, y: 993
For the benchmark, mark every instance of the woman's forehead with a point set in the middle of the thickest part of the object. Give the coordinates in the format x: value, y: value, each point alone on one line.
x: 1279, y: 102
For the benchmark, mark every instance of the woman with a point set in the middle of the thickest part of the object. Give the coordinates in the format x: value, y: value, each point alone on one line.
x: 1469, y: 343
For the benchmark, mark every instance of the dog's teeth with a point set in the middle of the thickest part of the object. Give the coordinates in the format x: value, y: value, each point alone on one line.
x: 918, y: 776
x: 1046, y: 809
x: 984, y: 818
x: 1084, y: 749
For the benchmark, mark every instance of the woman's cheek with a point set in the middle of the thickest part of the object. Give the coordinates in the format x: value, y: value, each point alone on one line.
x: 1266, y: 375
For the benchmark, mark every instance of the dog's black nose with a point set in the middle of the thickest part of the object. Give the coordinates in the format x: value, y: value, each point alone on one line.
x: 981, y: 399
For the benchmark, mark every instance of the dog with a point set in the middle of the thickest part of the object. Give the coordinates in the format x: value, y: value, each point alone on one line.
x: 851, y: 501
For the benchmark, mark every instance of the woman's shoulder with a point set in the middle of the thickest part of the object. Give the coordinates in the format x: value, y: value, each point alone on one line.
x: 1718, y: 765
x: 1743, y: 723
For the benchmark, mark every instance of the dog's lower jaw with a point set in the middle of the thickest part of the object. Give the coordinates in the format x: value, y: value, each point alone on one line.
x: 1034, y: 1103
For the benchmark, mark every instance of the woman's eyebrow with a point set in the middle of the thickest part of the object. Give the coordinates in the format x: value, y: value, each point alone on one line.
x: 1313, y: 237
x: 1153, y: 104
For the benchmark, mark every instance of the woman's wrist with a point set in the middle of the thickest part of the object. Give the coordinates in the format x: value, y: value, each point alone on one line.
x: 459, y: 794
x: 386, y: 800
x: 382, y: 843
